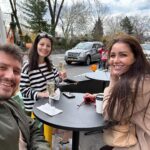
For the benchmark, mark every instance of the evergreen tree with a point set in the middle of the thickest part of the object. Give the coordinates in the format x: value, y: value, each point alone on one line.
x: 126, y: 25
x: 98, y: 30
x: 35, y: 10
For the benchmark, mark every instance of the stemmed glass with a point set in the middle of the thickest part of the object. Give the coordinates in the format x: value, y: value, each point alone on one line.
x: 51, y: 90
x: 61, y: 66
x: 62, y: 70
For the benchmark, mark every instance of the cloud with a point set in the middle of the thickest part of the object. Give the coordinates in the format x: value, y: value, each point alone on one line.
x: 116, y: 7
x: 128, y: 6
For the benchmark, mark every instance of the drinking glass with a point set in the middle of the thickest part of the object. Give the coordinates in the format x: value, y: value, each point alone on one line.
x: 61, y: 66
x: 51, y: 90
x: 62, y: 70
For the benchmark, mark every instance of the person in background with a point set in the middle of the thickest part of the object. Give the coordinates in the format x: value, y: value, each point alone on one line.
x: 127, y: 98
x: 37, y: 71
x: 18, y: 131
x: 103, y: 58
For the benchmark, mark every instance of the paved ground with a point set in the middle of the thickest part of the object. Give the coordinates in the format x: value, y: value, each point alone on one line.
x: 87, y: 142
x: 91, y: 142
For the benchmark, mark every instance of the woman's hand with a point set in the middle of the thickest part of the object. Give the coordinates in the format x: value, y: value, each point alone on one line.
x: 42, y: 94
x: 89, y: 96
x: 113, y: 76
x: 62, y: 75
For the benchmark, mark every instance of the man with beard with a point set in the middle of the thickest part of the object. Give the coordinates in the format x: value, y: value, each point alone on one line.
x: 17, y: 131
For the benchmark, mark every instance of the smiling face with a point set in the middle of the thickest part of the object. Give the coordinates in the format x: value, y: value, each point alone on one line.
x: 44, y: 48
x: 10, y: 70
x: 121, y: 58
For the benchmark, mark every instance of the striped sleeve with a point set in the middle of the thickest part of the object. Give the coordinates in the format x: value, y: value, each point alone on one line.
x: 25, y: 85
x: 56, y: 75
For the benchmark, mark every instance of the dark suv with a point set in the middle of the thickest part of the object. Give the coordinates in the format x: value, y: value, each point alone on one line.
x: 85, y: 52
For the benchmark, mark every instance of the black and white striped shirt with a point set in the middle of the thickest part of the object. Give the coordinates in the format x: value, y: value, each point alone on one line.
x: 34, y: 81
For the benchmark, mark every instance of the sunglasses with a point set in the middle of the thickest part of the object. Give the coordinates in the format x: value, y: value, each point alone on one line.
x: 44, y: 34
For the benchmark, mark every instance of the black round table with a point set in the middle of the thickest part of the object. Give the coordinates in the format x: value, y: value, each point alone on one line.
x: 83, y: 118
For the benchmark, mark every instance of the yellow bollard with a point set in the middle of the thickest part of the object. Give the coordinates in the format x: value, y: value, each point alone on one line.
x: 32, y: 115
x: 48, y: 134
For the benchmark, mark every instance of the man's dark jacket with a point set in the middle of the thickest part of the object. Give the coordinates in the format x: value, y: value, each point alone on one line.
x: 13, y: 119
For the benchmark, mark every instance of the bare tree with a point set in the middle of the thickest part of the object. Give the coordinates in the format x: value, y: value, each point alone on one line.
x: 75, y: 19
x: 55, y: 10
x: 141, y: 25
x: 14, y: 13
x: 112, y: 25
x: 98, y: 9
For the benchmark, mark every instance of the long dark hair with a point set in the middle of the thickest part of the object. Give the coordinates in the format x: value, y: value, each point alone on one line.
x: 33, y: 54
x: 122, y: 94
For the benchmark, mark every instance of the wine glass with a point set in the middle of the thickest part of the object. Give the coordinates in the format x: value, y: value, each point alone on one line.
x: 61, y: 66
x: 51, y: 90
x: 62, y: 70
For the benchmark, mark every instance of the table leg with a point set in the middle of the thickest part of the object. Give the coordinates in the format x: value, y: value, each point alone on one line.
x: 75, y: 140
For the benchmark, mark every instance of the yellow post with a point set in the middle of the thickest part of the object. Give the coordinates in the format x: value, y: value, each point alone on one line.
x: 32, y: 115
x: 48, y: 134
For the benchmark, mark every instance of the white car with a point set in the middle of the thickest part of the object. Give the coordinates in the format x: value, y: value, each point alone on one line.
x: 146, y: 49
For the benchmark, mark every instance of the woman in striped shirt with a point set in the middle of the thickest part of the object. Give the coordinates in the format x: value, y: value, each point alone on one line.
x: 37, y: 71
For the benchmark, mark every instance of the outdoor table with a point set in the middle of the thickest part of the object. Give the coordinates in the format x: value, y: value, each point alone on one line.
x: 101, y: 76
x: 90, y: 82
x: 74, y: 118
x: 98, y: 75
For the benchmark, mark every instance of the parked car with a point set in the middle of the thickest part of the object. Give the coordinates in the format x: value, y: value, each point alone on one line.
x: 85, y: 52
x: 146, y: 49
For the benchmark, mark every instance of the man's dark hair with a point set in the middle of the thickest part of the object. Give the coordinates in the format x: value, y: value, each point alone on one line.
x: 12, y: 50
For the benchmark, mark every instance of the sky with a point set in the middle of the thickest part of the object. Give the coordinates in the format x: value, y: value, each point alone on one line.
x: 129, y: 7
x: 116, y: 7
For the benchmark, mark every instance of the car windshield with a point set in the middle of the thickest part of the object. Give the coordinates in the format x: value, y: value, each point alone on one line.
x: 83, y: 46
x: 146, y: 46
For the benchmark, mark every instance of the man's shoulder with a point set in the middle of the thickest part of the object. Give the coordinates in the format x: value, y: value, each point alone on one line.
x: 13, y: 105
x: 12, y: 102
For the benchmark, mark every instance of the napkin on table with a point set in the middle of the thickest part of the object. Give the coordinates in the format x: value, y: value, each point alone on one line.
x: 50, y: 110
